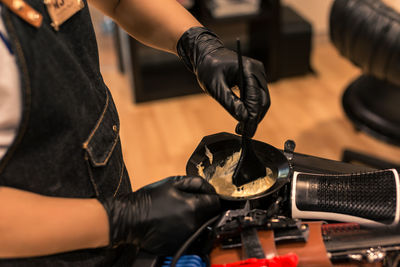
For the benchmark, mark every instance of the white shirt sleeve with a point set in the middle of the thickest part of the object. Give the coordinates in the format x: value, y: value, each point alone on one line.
x: 10, y: 95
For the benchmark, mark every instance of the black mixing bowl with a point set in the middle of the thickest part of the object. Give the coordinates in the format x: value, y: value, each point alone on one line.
x: 223, y: 145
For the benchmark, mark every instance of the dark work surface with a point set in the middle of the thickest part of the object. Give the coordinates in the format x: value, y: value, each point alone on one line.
x: 307, y: 163
x: 166, y: 80
x: 295, y: 45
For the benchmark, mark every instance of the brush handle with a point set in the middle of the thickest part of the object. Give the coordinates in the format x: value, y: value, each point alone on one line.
x: 249, y: 166
x: 371, y: 198
x: 241, y: 85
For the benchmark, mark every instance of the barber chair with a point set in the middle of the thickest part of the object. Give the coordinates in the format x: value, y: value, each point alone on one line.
x: 367, y: 32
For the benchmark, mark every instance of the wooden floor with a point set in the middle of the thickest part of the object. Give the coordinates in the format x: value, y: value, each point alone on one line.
x: 159, y: 137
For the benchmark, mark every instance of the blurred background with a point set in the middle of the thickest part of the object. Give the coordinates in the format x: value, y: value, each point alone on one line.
x: 164, y: 114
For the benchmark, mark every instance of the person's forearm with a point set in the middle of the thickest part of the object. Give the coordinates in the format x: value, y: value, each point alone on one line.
x: 36, y: 225
x: 157, y: 23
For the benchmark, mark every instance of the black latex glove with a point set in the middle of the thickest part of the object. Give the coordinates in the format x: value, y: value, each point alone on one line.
x: 216, y: 68
x: 159, y: 217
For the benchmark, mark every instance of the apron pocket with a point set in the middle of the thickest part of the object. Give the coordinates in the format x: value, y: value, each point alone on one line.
x: 104, y: 136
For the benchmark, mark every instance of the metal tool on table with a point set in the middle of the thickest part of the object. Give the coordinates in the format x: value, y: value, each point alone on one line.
x: 347, y: 193
x: 249, y: 167
x: 246, y: 221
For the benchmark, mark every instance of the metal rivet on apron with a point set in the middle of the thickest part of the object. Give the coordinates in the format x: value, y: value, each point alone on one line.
x: 18, y: 4
x: 33, y: 15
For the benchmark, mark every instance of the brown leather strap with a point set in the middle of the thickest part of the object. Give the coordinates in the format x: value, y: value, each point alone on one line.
x: 311, y: 253
x: 268, y: 242
x: 24, y: 11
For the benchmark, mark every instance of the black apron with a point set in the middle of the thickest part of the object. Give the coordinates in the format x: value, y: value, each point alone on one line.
x: 68, y: 141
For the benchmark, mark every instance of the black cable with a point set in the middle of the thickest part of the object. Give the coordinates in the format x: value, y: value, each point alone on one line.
x: 189, y: 241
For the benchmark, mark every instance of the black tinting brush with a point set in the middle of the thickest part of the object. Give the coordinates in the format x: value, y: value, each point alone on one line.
x: 249, y: 167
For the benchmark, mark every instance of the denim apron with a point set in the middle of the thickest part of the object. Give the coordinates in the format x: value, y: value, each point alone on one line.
x: 68, y: 141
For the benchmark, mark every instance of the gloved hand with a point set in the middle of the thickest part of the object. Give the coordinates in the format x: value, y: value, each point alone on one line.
x: 159, y: 217
x: 216, y: 68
